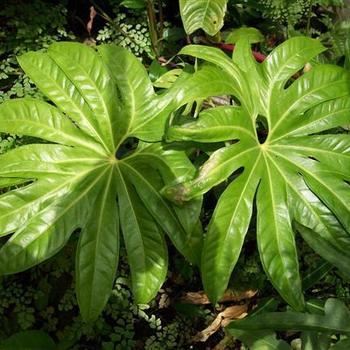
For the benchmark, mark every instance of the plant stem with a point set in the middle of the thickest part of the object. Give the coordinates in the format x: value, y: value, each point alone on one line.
x: 161, y: 21
x: 152, y: 26
x: 308, y: 25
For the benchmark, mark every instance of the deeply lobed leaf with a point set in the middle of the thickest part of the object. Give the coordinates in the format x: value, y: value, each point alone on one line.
x: 298, y: 180
x: 81, y: 177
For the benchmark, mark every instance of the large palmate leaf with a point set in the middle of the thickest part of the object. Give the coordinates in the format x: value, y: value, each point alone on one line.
x: 85, y: 177
x: 299, y: 176
x: 205, y: 14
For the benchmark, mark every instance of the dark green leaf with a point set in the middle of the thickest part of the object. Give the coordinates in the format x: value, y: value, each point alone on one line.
x: 298, y: 180
x: 335, y: 320
x: 28, y: 340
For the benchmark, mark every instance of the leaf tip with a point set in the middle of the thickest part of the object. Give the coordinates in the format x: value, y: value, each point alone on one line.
x: 176, y: 193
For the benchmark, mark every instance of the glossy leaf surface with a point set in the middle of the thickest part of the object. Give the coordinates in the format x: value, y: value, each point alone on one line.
x: 206, y: 14
x: 281, y: 158
x: 84, y: 177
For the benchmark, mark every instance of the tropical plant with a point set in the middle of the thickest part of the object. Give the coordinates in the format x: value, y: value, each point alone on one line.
x: 84, y: 159
x: 281, y: 155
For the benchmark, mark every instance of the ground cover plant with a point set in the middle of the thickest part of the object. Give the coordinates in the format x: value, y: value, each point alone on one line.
x: 127, y: 184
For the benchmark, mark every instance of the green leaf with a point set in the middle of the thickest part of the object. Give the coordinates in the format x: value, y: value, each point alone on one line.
x: 273, y: 158
x: 132, y: 80
x: 38, y: 160
x: 81, y: 175
x: 342, y: 345
x: 155, y: 70
x: 28, y: 340
x: 316, y: 275
x: 206, y: 81
x: 83, y: 66
x: 227, y: 122
x: 223, y: 241
x: 315, y: 306
x: 336, y: 319
x: 145, y: 114
x: 4, y: 182
x: 145, y: 243
x: 39, y: 119
x: 275, y: 237
x: 166, y: 80
x: 205, y: 14
x: 347, y: 54
x: 252, y: 35
x: 233, y: 81
x: 181, y: 228
x: 321, y: 83
x: 58, y: 87
x: 259, y: 340
x: 326, y: 249
x: 46, y: 232
x: 310, y: 341
x: 317, y: 327
x: 98, y: 252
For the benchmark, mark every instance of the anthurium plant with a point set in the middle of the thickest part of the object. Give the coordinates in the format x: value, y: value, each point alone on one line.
x: 282, y: 153
x: 97, y: 166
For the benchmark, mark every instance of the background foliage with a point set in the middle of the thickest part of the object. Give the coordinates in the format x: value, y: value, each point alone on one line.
x: 43, y: 298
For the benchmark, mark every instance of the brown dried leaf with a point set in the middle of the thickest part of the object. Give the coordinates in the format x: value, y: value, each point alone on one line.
x: 164, y: 301
x: 237, y: 296
x: 93, y: 14
x: 200, y: 298
x: 222, y: 320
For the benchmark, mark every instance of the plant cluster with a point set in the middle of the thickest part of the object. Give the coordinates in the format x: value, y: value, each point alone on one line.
x: 287, y: 12
x: 118, y: 165
x: 128, y: 32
